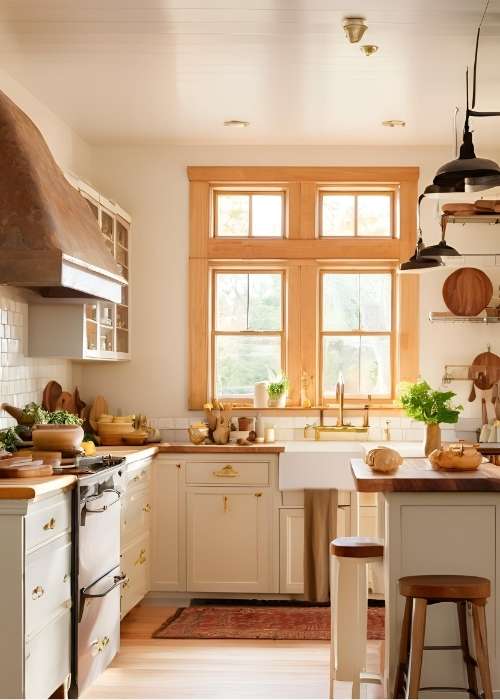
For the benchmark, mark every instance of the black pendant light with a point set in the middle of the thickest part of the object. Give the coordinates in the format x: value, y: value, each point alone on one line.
x: 418, y: 260
x: 467, y: 173
x: 441, y: 249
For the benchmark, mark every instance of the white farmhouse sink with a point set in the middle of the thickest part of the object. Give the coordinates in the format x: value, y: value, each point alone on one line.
x: 324, y: 464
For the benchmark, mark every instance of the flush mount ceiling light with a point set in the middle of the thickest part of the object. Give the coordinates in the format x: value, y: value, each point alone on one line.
x: 354, y: 28
x: 369, y: 49
x: 393, y: 122
x: 467, y: 173
x: 236, y: 123
x: 418, y: 260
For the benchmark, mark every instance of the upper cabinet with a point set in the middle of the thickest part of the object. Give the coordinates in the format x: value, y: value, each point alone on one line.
x: 93, y: 329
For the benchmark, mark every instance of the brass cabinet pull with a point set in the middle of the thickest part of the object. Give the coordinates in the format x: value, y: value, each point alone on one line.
x: 258, y: 494
x: 136, y: 478
x: 37, y: 592
x: 66, y: 578
x: 99, y: 645
x: 228, y: 470
x: 179, y: 466
x: 147, y: 508
x: 50, y: 525
x: 141, y: 559
x: 226, y: 504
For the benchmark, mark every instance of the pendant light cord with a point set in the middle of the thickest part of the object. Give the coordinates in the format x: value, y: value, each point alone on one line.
x: 475, y: 55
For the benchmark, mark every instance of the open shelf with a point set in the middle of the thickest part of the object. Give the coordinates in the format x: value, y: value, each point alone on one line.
x: 472, y: 219
x: 445, y: 317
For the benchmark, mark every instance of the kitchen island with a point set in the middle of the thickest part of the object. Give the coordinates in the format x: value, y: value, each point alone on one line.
x: 438, y: 523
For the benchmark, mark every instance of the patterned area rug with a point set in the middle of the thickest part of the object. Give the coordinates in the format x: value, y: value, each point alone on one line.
x: 258, y: 622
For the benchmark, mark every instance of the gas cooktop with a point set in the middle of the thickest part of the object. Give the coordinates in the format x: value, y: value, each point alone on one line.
x: 84, y: 466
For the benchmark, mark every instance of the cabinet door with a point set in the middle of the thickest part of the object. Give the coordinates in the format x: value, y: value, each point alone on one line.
x: 229, y: 540
x: 291, y: 550
x: 168, y: 569
x: 292, y: 545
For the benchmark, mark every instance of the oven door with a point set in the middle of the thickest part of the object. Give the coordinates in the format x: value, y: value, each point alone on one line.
x: 99, y: 627
x: 99, y: 535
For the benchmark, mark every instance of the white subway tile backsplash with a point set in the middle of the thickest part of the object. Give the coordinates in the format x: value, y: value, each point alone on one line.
x: 22, y: 378
x: 413, y: 434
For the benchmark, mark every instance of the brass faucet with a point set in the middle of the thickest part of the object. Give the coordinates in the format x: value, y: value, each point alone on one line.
x: 341, y: 427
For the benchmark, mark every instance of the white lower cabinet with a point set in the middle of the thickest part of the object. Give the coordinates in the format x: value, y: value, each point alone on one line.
x: 136, y: 522
x: 168, y: 566
x: 229, y: 540
x: 35, y: 600
x: 292, y: 550
x: 292, y: 537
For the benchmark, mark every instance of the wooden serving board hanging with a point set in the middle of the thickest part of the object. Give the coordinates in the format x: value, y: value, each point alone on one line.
x: 487, y: 370
x: 467, y: 291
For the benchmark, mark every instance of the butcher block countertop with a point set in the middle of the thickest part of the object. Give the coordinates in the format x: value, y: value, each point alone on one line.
x: 27, y: 489
x: 181, y: 447
x: 418, y: 475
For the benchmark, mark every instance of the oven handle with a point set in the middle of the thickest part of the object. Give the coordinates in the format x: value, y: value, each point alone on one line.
x: 85, y: 510
x: 84, y: 593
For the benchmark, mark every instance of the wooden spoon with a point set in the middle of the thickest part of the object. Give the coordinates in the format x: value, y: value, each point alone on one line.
x: 484, y: 411
x: 472, y: 395
x: 494, y: 393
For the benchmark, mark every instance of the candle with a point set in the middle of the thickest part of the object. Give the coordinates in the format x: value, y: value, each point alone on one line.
x: 270, y: 434
x: 260, y: 395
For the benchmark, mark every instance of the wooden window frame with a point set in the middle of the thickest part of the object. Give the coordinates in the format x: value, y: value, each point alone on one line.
x: 391, y: 334
x: 216, y: 192
x: 390, y: 192
x: 214, y: 272
x: 301, y: 254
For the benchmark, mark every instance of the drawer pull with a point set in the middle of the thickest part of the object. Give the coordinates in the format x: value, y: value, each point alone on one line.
x: 50, y: 525
x: 141, y: 559
x: 66, y: 578
x: 99, y: 645
x: 147, y: 508
x: 137, y: 478
x: 37, y: 592
x: 228, y: 470
x: 226, y: 504
x: 258, y: 494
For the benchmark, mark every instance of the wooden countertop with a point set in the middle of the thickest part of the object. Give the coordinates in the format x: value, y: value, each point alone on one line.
x: 181, y: 447
x: 27, y: 489
x: 419, y: 475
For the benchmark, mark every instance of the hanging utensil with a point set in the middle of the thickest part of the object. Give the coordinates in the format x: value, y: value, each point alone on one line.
x: 484, y: 411
x: 472, y: 395
x: 497, y: 408
x: 485, y: 370
x: 494, y: 393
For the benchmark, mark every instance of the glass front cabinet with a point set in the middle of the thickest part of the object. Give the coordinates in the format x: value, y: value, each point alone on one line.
x: 95, y: 330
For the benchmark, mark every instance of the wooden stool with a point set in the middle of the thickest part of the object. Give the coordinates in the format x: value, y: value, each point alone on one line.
x: 349, y: 606
x: 421, y: 591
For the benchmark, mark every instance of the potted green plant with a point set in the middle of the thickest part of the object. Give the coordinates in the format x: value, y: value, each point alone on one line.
x: 277, y: 391
x: 431, y: 407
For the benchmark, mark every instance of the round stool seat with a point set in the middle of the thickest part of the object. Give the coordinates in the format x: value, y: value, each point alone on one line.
x: 445, y: 587
x: 357, y: 547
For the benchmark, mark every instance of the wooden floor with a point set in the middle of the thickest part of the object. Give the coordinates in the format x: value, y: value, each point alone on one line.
x: 173, y: 668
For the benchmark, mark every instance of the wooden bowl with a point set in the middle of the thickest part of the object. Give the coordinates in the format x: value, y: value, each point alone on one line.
x: 136, y: 438
x: 57, y: 438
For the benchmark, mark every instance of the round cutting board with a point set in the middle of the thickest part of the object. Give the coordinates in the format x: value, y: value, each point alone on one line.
x: 467, y: 291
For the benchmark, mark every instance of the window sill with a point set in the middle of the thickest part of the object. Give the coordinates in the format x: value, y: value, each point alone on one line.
x: 386, y: 409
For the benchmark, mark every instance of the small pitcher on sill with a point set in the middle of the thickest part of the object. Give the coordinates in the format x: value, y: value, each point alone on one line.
x: 432, y: 438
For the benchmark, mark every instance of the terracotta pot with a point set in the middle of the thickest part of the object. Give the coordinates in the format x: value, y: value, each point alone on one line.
x: 63, y: 438
x: 432, y: 438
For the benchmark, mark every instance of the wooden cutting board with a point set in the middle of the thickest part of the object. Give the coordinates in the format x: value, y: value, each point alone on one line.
x: 26, y: 471
x: 51, y: 393
x: 467, y: 291
x: 65, y: 402
x: 99, y: 407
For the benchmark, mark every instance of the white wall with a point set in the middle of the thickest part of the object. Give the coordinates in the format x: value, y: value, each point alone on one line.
x: 22, y: 378
x: 152, y: 184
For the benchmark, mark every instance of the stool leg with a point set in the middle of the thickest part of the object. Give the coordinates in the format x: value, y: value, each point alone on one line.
x: 404, y: 651
x: 480, y: 636
x: 417, y: 646
x: 349, y: 647
x: 333, y: 606
x: 464, y: 642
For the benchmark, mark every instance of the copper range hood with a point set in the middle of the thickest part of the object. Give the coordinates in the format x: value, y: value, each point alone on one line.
x: 49, y: 239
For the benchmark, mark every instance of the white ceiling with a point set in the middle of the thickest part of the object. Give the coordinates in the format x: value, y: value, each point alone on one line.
x: 173, y: 70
